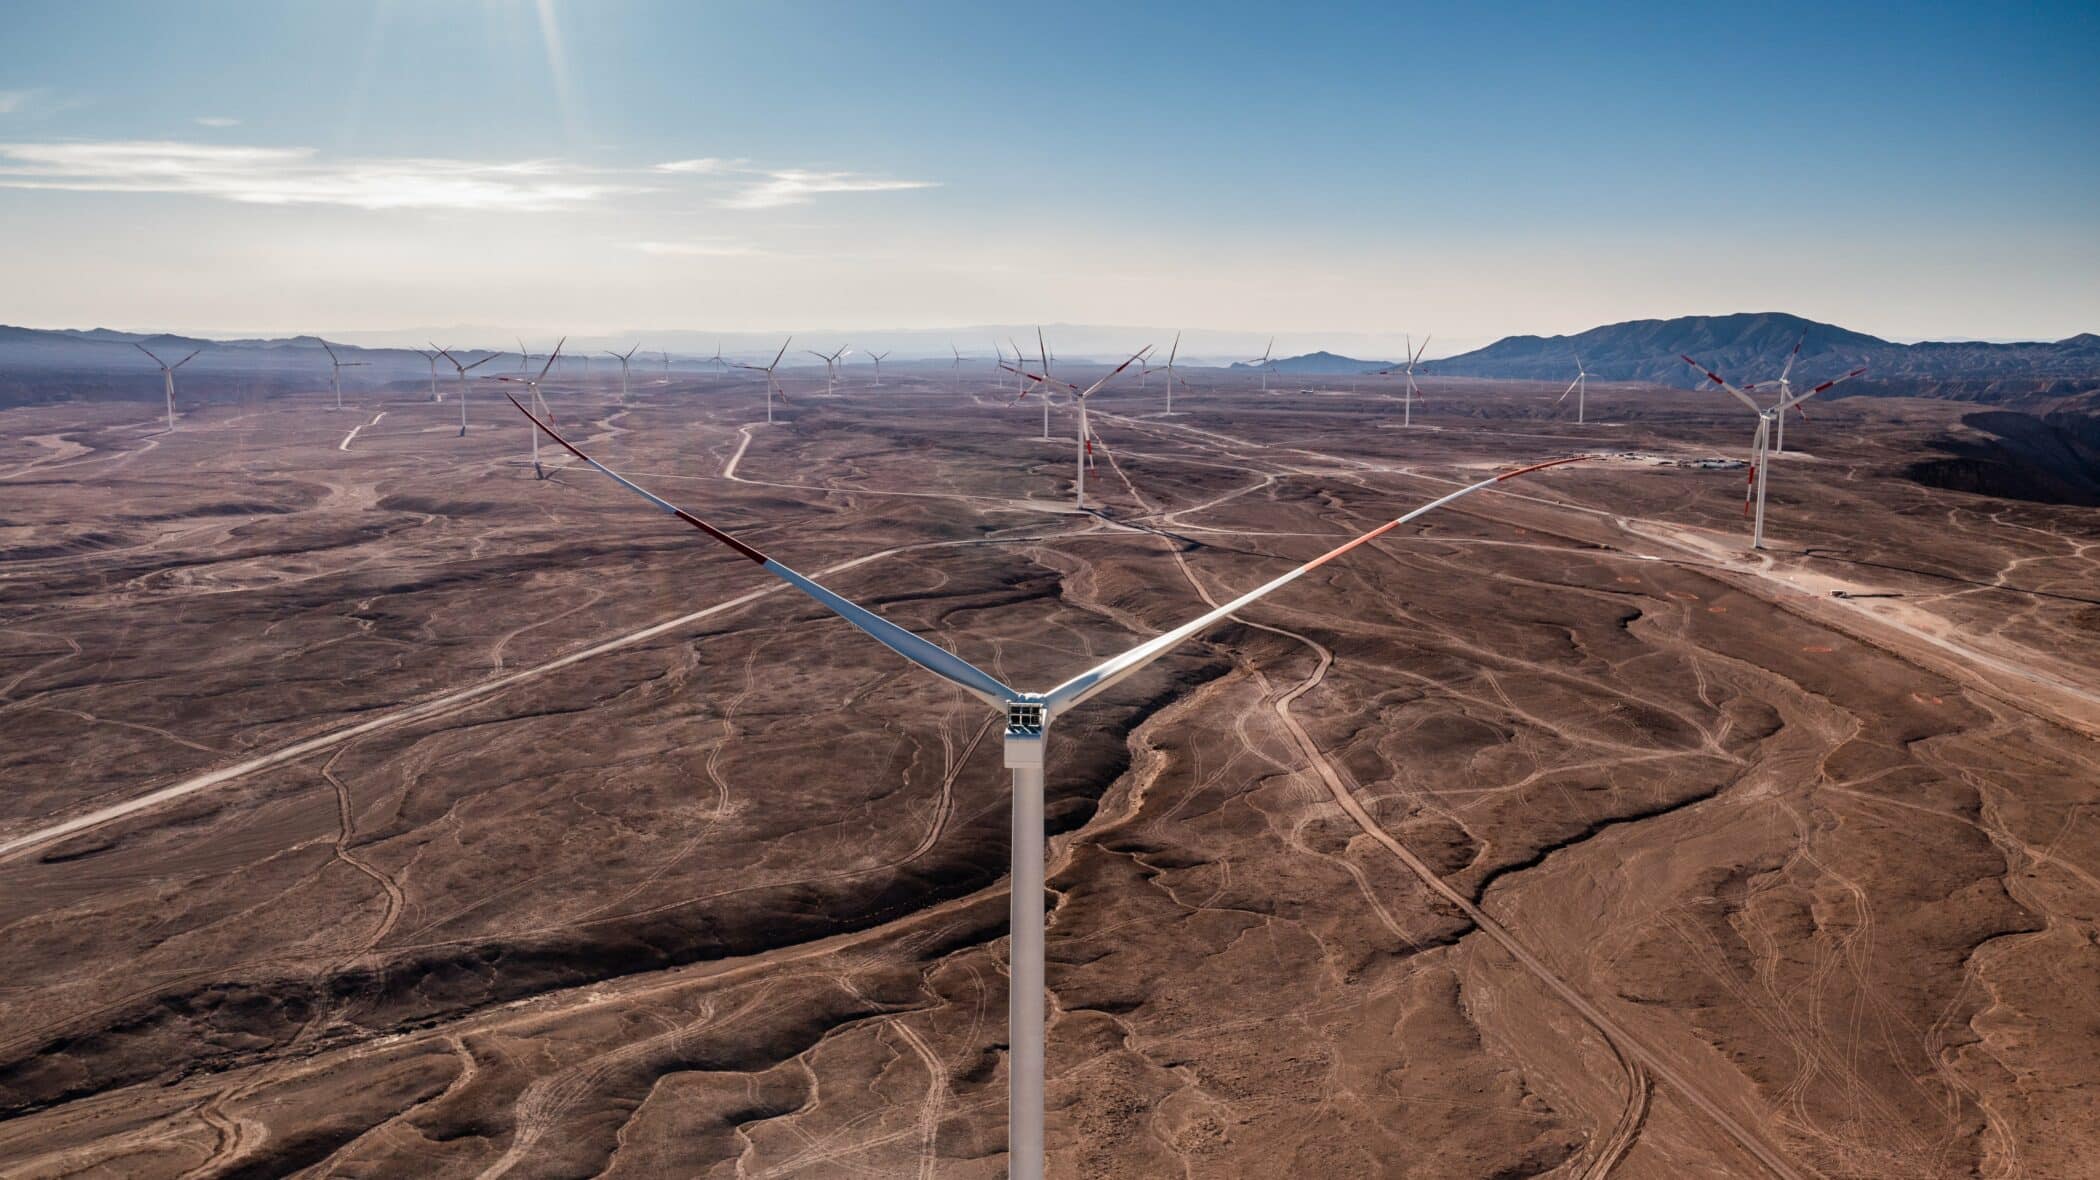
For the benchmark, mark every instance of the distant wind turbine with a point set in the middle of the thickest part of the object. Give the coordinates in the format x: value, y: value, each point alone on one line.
x: 877, y: 358
x: 463, y: 381
x: 1407, y: 369
x: 1754, y: 489
x: 1579, y: 387
x: 772, y: 382
x: 831, y: 365
x: 1083, y: 453
x: 623, y: 358
x: 1265, y: 363
x: 335, y: 372
x: 432, y: 357
x: 1168, y: 368
x: 1786, y: 389
x: 539, y: 404
x: 167, y: 377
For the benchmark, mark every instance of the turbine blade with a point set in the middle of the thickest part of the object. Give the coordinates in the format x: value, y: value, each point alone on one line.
x: 1109, y: 672
x: 149, y: 352
x: 1714, y: 377
x: 1797, y: 399
x: 783, y: 352
x: 1174, y: 351
x: 552, y: 357
x: 923, y: 652
x: 1112, y: 372
x: 1565, y: 392
x: 479, y: 363
x: 1790, y: 357
x: 331, y: 351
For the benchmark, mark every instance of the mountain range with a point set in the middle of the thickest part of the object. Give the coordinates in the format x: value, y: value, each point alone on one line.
x: 1753, y: 346
x: 1745, y: 347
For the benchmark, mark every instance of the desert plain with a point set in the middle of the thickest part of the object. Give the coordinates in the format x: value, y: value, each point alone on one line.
x: 373, y: 808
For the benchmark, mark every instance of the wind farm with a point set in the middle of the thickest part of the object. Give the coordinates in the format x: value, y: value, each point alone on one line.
x: 828, y: 751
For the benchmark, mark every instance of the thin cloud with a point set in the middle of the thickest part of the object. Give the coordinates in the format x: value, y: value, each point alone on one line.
x: 796, y: 186
x: 703, y: 166
x: 217, y: 121
x: 293, y: 176
x: 699, y: 248
x: 14, y: 100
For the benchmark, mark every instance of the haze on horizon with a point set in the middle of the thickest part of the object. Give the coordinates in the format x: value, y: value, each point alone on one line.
x: 1357, y: 171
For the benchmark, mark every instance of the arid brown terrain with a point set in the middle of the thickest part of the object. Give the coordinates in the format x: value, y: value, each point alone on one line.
x: 499, y: 827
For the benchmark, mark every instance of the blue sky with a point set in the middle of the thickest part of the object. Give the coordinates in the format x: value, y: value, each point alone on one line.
x: 1909, y: 170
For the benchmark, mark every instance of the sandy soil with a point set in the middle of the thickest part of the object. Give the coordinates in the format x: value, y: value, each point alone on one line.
x: 374, y: 809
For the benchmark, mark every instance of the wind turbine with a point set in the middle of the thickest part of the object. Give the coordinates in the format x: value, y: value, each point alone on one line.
x: 622, y: 357
x: 958, y: 365
x: 524, y: 358
x: 532, y: 385
x: 1169, y: 367
x: 1786, y: 388
x: 1264, y: 363
x: 772, y: 384
x: 432, y: 357
x: 167, y: 377
x: 1084, y: 450
x: 463, y: 381
x: 1020, y: 386
x: 720, y: 364
x: 831, y: 366
x: 335, y: 372
x: 1579, y: 386
x: 667, y: 365
x: 877, y: 358
x: 1042, y: 349
x: 1754, y: 489
x: 1029, y: 716
x: 1407, y: 405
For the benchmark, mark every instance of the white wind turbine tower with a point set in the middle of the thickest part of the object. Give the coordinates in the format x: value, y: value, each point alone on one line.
x: 831, y: 366
x: 463, y: 381
x: 720, y: 365
x: 667, y: 367
x: 957, y: 379
x: 1083, y: 451
x: 877, y: 358
x: 623, y: 358
x: 1579, y: 387
x: 772, y: 383
x: 1265, y: 364
x: 335, y: 372
x: 539, y: 404
x: 1029, y: 716
x: 167, y: 377
x: 1754, y: 490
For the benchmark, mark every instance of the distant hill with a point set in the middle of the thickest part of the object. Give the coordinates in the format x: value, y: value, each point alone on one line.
x: 1317, y: 362
x: 1752, y: 346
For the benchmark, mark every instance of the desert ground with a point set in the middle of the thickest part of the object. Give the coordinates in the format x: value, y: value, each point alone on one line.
x: 372, y: 808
